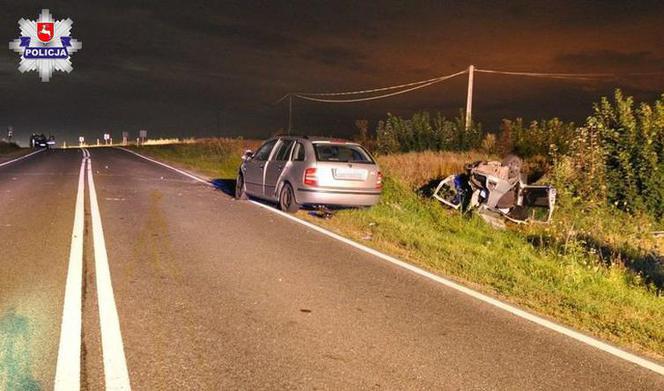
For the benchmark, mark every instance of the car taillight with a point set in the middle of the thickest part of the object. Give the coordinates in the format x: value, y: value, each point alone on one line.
x: 379, y: 180
x: 310, y: 177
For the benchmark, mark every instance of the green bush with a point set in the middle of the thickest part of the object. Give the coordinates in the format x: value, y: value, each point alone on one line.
x: 423, y: 132
x: 618, y: 157
x: 535, y: 139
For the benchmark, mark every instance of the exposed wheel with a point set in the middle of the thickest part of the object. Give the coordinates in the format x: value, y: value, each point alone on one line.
x: 287, y: 201
x: 240, y: 189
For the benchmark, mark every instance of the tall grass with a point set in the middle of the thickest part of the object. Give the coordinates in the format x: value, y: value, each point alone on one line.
x: 416, y: 169
x: 6, y: 147
x: 215, y: 157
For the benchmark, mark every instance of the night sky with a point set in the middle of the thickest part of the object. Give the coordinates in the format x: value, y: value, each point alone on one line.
x: 188, y: 68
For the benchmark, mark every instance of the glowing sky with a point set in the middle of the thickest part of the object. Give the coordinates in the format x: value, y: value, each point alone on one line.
x: 177, y: 68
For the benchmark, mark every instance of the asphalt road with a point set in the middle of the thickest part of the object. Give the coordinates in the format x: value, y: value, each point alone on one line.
x: 213, y: 293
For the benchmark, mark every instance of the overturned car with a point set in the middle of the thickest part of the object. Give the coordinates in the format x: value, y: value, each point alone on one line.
x: 497, y: 191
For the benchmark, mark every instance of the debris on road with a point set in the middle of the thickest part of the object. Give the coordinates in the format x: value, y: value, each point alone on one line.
x: 322, y: 212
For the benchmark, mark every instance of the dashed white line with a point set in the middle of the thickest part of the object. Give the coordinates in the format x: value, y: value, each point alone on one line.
x: 115, y: 365
x: 603, y: 346
x: 21, y: 158
x: 68, y: 368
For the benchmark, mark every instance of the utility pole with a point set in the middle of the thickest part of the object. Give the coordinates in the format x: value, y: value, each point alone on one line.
x: 469, y: 98
x: 290, y: 114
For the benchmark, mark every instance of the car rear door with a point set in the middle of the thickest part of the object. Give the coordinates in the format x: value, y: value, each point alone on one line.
x: 275, y: 166
x: 254, y: 169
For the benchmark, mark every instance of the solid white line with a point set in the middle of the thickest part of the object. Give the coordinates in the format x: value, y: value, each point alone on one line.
x: 460, y: 288
x: 115, y: 364
x: 194, y: 177
x: 68, y: 369
x: 22, y: 157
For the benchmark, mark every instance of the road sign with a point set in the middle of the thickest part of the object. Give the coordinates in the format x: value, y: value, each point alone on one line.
x: 107, y: 136
x: 143, y: 133
x: 81, y: 139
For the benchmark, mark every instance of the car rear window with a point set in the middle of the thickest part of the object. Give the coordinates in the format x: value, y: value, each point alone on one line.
x: 346, y: 153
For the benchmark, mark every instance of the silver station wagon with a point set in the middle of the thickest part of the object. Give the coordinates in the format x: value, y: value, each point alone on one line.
x: 303, y: 171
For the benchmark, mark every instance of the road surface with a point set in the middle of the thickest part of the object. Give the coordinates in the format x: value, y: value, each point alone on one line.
x: 212, y: 293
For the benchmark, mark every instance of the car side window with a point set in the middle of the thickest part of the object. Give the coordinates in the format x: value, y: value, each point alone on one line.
x: 264, y: 151
x: 298, y: 153
x: 284, y: 150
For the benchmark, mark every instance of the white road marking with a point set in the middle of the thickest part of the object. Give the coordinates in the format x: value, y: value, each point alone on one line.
x: 22, y: 157
x: 453, y: 285
x: 68, y: 370
x: 194, y: 177
x: 115, y: 365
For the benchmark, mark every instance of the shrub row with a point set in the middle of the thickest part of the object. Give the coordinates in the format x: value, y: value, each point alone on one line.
x: 618, y: 156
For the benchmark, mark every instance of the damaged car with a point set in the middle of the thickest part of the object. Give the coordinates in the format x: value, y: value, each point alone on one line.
x: 497, y: 190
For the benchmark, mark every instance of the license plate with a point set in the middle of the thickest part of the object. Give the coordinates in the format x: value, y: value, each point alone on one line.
x: 351, y: 174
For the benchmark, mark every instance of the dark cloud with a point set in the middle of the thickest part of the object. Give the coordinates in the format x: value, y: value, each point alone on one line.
x: 338, y: 56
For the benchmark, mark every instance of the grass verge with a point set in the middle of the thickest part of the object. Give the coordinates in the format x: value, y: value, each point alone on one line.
x: 10, y: 151
x: 530, y: 267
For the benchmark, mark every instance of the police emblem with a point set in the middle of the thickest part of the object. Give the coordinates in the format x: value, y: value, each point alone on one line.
x: 45, y: 45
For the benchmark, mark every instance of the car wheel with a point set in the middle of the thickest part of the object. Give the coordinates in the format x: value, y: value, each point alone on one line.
x: 287, y: 201
x: 240, y: 189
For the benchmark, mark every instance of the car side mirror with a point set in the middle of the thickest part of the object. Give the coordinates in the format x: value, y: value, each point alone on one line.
x: 248, y: 154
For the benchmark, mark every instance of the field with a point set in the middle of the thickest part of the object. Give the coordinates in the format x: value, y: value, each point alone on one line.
x: 10, y: 150
x: 599, y: 271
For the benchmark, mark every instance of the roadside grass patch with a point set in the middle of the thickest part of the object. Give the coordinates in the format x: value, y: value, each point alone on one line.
x: 11, y: 150
x: 602, y: 300
x: 215, y: 157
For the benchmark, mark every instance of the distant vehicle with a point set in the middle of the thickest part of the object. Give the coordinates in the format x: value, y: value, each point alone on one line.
x: 40, y: 141
x: 313, y: 172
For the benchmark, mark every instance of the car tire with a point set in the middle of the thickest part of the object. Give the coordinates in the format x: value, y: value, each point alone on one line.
x: 240, y: 189
x: 287, y: 202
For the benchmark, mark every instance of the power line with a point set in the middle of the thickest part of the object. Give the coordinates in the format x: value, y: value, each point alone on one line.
x: 412, y: 86
x: 428, y: 82
x: 417, y: 87
x: 360, y: 92
x: 572, y: 76
x: 435, y: 79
